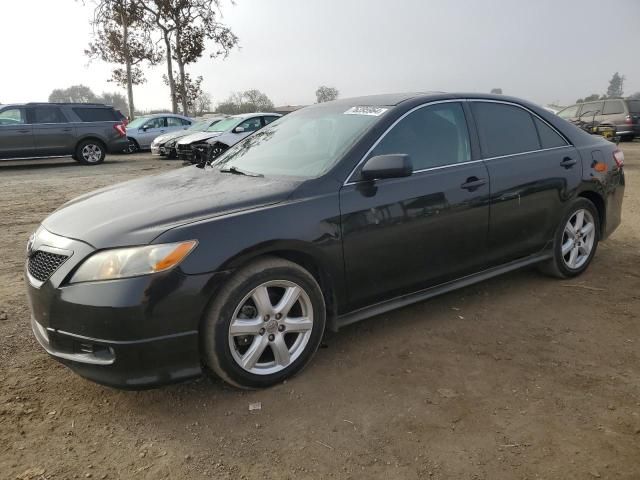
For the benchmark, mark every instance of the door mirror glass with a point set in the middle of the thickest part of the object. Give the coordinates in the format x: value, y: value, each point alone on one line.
x: 238, y: 130
x: 387, y: 166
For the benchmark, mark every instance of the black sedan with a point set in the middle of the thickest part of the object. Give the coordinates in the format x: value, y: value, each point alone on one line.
x: 330, y: 215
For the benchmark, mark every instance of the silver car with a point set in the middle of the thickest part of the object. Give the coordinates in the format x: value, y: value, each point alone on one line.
x: 223, y: 134
x: 165, y: 144
x: 143, y: 130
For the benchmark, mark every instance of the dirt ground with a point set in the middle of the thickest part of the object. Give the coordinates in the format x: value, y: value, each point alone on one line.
x: 520, y: 377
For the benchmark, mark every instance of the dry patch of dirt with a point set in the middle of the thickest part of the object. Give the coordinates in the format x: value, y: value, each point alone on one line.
x: 520, y: 377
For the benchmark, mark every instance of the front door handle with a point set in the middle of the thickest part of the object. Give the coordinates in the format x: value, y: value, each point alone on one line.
x: 24, y: 131
x: 568, y: 162
x: 473, y: 183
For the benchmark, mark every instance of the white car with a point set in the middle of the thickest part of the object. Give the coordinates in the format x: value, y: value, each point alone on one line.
x: 223, y: 134
x: 143, y: 130
x: 165, y: 144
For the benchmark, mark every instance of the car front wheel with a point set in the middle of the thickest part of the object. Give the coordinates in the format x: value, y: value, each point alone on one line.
x: 132, y: 146
x: 265, y: 324
x: 576, y: 241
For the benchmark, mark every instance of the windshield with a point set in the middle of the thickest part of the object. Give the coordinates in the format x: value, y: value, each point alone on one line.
x: 138, y: 122
x: 634, y: 106
x: 200, y: 126
x: 223, y: 125
x: 305, y: 143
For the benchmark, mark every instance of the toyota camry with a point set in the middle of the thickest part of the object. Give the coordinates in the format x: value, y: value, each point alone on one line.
x: 329, y: 215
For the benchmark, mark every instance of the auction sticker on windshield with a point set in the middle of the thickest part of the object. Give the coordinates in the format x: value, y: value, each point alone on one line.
x: 366, y: 110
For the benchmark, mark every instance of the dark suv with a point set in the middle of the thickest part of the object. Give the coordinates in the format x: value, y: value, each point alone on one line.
x: 622, y: 114
x: 84, y: 131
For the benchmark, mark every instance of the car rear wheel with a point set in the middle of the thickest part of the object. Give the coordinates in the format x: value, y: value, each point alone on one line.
x: 90, y: 152
x: 265, y: 324
x: 576, y: 241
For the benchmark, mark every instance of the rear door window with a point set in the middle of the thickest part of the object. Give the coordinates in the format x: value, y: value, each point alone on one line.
x: 504, y: 129
x: 268, y: 119
x: 549, y: 138
x: 48, y: 115
x: 612, y: 107
x: 634, y: 106
x: 12, y: 116
x: 90, y: 114
x: 176, y: 122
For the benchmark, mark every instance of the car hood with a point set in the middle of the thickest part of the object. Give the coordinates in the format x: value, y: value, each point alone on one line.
x: 137, y: 211
x: 165, y: 137
x: 195, y: 137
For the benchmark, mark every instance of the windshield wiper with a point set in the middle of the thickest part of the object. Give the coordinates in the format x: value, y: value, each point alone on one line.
x: 237, y: 171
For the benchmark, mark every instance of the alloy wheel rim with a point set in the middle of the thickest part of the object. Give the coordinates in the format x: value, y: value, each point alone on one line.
x: 578, y: 239
x: 271, y: 327
x: 91, y: 153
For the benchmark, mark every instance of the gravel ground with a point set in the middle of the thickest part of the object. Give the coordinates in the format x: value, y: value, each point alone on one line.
x: 520, y: 377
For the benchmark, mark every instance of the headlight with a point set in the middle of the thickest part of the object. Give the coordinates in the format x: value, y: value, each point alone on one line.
x: 170, y: 143
x: 132, y: 261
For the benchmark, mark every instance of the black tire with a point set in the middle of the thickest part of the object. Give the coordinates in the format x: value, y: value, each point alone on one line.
x: 558, y: 266
x: 90, y: 152
x: 216, y: 150
x: 132, y: 146
x: 214, y: 333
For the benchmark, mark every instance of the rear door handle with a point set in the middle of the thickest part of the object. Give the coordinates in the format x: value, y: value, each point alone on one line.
x: 568, y: 162
x: 473, y: 183
x: 24, y: 131
x: 67, y: 129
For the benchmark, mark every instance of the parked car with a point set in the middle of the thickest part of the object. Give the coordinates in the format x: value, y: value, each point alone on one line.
x: 83, y: 131
x: 143, y: 130
x: 622, y: 114
x: 165, y: 144
x: 335, y: 213
x: 223, y: 134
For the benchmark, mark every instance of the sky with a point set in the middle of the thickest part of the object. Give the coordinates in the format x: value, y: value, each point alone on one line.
x: 547, y: 51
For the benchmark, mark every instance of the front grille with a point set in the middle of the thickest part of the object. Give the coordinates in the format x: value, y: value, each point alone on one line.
x: 42, y: 264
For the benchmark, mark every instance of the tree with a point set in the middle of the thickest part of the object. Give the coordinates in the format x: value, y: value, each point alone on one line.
x: 187, y: 94
x: 185, y: 26
x: 73, y: 94
x: 616, y: 85
x: 496, y: 91
x: 245, y: 102
x: 115, y: 99
x: 203, y: 104
x: 122, y: 36
x: 326, y: 94
x: 590, y: 98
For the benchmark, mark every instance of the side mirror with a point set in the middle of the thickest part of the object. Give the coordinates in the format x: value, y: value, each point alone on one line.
x: 144, y: 128
x: 387, y: 166
x: 238, y: 130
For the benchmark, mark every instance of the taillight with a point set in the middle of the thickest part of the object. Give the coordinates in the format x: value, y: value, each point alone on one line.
x: 618, y: 157
x: 628, y: 120
x: 121, y: 129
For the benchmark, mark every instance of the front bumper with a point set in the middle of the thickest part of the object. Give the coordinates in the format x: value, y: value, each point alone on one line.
x: 128, y: 333
x: 124, y: 364
x: 157, y: 150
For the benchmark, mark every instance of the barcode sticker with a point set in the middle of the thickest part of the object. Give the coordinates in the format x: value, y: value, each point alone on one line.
x: 366, y: 110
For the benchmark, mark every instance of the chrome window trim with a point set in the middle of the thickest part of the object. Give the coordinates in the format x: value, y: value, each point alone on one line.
x: 488, y: 159
x: 460, y: 100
